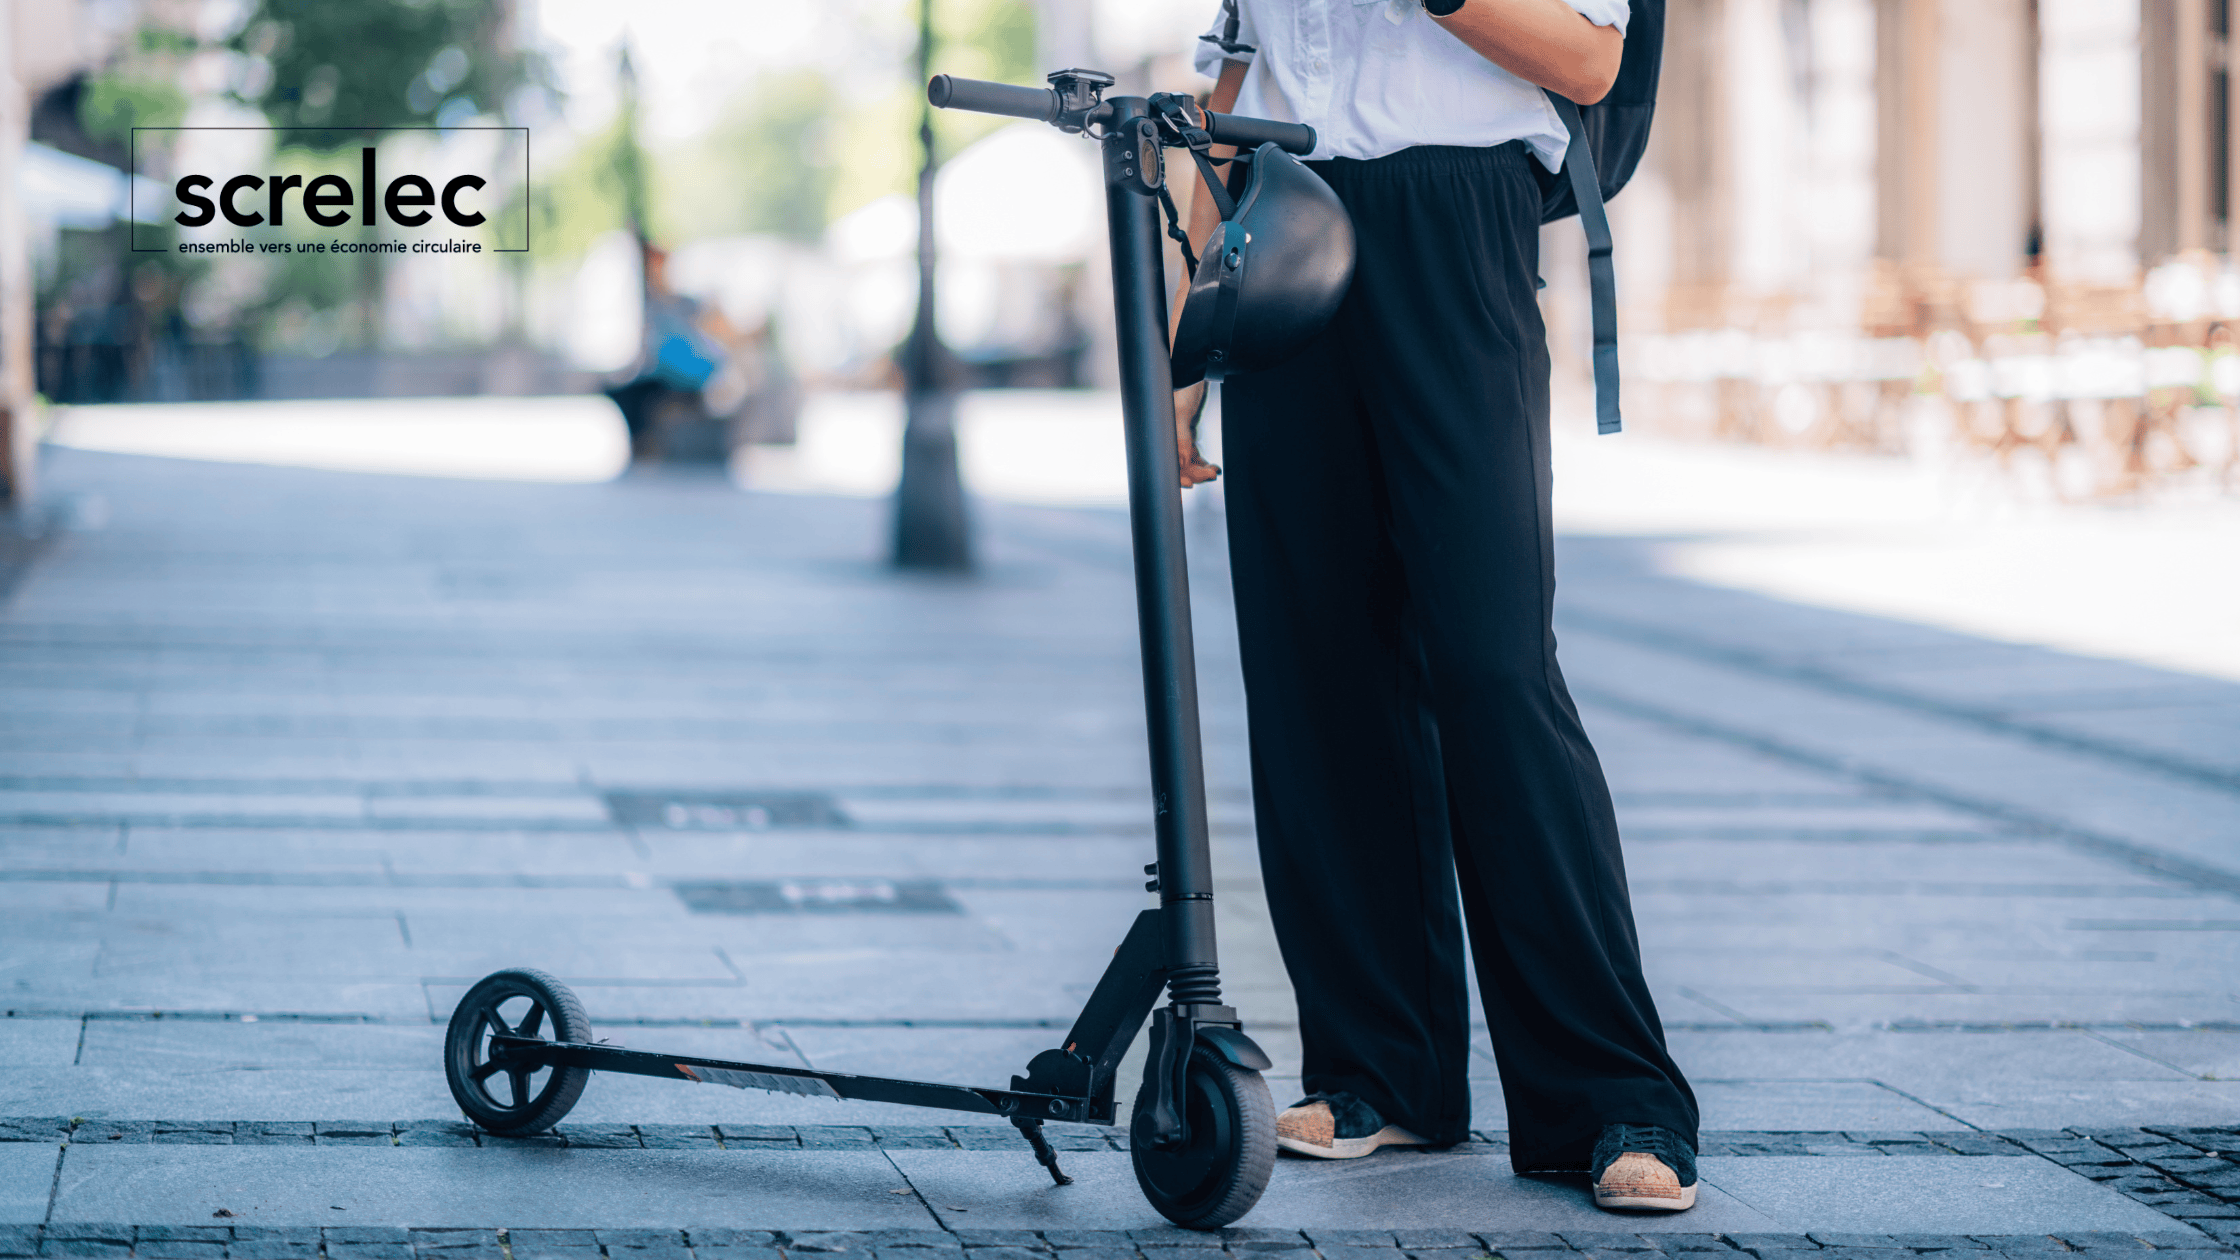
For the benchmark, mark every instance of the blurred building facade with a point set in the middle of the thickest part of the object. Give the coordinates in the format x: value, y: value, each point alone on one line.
x: 1993, y: 226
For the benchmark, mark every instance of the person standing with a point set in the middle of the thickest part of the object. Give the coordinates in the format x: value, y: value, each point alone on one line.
x: 1392, y: 553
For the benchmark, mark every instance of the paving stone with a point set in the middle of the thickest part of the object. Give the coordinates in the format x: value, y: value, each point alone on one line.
x: 182, y: 1233
x: 1079, y: 1140
x: 504, y: 1141
x: 94, y: 1132
x: 918, y: 1238
x: 744, y: 1134
x: 1827, y: 1239
x: 2014, y: 1243
x: 1071, y: 1238
x: 19, y: 1240
x: 835, y: 1137
x: 261, y: 1250
x: 1013, y: 1253
x: 1521, y: 1240
x: 984, y: 1137
x: 1001, y: 1238
x: 355, y: 1133
x: 89, y: 1231
x: 178, y: 1249
x: 1102, y: 1253
x: 447, y: 1241
x: 1341, y: 1251
x: 912, y: 1138
x: 1606, y: 1240
x: 524, y: 1250
x: 676, y: 1137
x: 601, y: 1136
x: 272, y: 1133
x: 369, y: 1251
x: 436, y: 1133
x: 1938, y: 1242
x: 1325, y: 1238
x: 355, y: 1234
x: 639, y: 1237
x: 1418, y: 1239
x: 1866, y: 1253
x: 85, y: 1248
x: 277, y: 1233
x: 1973, y: 1143
x: 2102, y: 1240
x: 1676, y: 1243
x: 192, y: 1134
x: 35, y: 1129
x: 832, y: 1241
x: 715, y: 1251
x: 700, y: 1237
x: 1773, y: 1242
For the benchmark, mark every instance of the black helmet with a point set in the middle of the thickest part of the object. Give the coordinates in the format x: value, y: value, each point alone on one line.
x: 1269, y: 276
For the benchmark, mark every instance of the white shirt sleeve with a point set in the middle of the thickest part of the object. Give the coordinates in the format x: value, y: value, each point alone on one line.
x: 1208, y: 57
x: 1599, y: 12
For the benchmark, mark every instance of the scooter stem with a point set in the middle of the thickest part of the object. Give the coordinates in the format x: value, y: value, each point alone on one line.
x: 1170, y: 679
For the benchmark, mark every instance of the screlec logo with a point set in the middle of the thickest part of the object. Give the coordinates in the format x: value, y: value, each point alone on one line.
x: 403, y: 199
x: 418, y: 209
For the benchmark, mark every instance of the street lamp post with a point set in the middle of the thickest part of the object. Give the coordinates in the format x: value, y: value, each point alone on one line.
x: 931, y: 530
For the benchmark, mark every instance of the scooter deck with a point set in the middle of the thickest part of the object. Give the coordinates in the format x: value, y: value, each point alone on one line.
x: 529, y: 1053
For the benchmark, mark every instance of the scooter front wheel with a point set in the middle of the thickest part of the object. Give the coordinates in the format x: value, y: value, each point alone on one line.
x: 1218, y: 1173
x: 500, y: 1097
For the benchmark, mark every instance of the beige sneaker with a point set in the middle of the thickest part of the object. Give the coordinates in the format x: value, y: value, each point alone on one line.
x: 1635, y: 1170
x: 1337, y: 1126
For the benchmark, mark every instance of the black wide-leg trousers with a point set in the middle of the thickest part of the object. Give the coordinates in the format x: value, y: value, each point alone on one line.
x: 1389, y: 535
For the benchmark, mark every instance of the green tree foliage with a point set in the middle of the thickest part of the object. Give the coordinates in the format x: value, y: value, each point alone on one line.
x: 382, y: 63
x: 767, y: 165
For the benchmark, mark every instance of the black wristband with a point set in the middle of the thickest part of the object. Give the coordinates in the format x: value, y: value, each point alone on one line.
x: 1441, y: 8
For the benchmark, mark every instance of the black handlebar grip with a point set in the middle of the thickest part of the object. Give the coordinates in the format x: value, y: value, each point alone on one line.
x: 1252, y: 132
x: 983, y: 97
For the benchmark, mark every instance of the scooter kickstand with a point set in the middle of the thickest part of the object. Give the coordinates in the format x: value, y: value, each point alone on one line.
x: 1043, y: 1152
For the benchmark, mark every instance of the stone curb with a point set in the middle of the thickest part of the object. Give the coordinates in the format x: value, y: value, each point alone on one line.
x: 240, y: 1242
x: 2191, y: 1174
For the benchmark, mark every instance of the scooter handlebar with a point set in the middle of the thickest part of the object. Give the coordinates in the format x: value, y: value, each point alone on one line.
x: 1042, y: 104
x: 1248, y: 133
x: 983, y: 97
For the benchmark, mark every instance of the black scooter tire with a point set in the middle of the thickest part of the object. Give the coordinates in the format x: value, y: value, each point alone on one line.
x: 466, y: 1062
x: 1216, y: 1176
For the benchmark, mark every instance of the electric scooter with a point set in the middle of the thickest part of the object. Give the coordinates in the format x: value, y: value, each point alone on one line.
x: 1202, y: 1130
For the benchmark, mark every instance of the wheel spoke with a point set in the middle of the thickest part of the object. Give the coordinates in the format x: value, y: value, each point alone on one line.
x: 496, y: 1022
x: 535, y: 1021
x: 520, y: 1078
x: 483, y: 1073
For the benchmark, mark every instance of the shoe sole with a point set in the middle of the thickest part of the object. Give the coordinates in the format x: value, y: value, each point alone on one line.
x: 1349, y: 1148
x: 1645, y: 1203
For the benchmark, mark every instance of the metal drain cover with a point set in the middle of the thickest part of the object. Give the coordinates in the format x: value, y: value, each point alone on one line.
x: 725, y: 811
x: 818, y: 896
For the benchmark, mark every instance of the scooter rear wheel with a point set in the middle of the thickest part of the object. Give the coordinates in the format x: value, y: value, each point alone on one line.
x: 1217, y: 1175
x: 516, y: 1003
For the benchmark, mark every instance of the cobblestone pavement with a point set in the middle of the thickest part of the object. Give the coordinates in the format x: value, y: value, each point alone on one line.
x: 289, y: 758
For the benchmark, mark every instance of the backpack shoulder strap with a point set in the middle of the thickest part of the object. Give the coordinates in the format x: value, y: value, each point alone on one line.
x: 1602, y: 278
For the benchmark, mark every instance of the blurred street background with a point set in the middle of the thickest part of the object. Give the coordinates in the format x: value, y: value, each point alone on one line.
x: 365, y: 629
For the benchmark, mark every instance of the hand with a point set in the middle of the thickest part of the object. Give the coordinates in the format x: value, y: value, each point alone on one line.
x: 1188, y: 402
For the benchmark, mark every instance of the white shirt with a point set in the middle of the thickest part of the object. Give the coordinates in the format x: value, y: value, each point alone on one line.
x: 1376, y: 76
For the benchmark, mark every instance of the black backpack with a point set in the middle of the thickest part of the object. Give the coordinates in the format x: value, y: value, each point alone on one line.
x: 1607, y: 139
